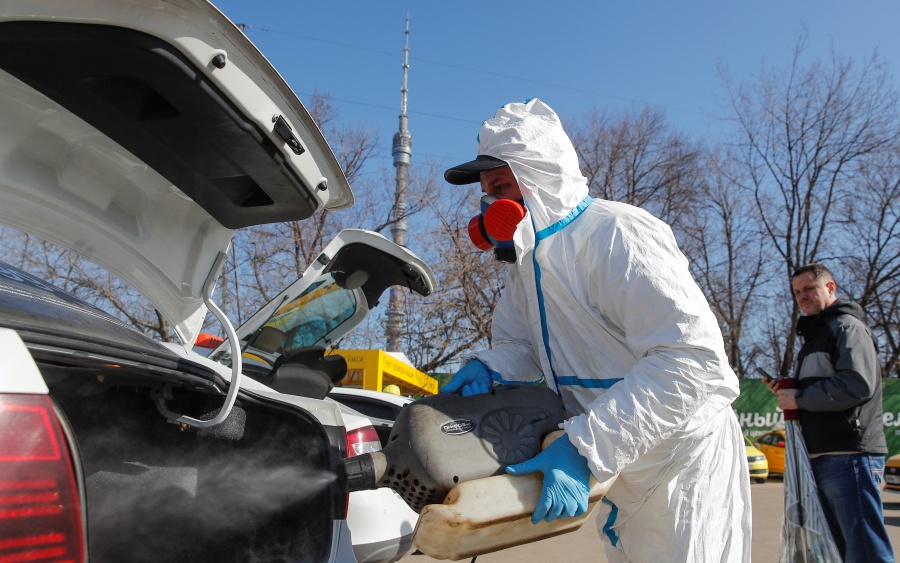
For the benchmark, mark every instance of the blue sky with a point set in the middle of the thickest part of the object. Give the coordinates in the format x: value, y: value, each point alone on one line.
x: 468, y: 58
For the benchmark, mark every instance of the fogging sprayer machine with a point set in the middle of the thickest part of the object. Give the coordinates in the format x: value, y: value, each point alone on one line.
x: 446, y: 457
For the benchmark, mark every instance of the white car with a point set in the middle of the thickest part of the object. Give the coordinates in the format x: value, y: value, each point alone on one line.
x: 381, y: 408
x: 381, y: 522
x: 140, y: 134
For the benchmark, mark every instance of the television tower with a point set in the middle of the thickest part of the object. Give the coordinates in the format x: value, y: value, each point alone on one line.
x: 401, y: 151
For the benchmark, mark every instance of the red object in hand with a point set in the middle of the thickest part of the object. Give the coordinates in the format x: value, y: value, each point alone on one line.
x: 789, y: 383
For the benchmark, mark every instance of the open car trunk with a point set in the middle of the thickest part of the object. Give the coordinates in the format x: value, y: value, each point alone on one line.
x: 252, y: 489
x: 259, y: 487
x: 157, y: 493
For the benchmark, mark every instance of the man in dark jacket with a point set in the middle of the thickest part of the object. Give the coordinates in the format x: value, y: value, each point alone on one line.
x: 839, y: 398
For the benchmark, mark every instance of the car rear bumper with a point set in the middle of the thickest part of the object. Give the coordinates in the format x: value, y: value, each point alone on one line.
x: 384, y: 551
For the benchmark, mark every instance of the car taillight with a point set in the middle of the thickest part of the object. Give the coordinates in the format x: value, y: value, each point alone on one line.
x: 40, y: 513
x: 779, y: 444
x: 362, y: 440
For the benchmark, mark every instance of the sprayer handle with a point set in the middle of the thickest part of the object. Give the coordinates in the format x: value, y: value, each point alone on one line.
x: 789, y: 383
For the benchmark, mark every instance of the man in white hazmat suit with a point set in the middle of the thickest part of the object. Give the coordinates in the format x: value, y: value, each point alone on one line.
x: 599, y: 302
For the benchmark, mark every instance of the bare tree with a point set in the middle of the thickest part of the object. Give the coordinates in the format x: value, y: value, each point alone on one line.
x: 803, y: 133
x: 727, y: 254
x: 871, y: 252
x: 638, y: 158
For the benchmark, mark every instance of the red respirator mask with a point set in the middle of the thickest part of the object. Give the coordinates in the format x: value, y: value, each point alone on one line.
x: 495, y: 225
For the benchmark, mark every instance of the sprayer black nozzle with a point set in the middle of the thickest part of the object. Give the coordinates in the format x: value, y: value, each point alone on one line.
x: 362, y: 473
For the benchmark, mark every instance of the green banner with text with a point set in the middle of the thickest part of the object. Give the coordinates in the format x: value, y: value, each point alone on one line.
x: 758, y: 412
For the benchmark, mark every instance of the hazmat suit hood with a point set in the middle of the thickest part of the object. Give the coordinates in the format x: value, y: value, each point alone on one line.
x: 530, y: 138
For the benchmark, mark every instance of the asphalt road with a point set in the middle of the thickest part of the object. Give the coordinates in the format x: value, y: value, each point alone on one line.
x: 584, y: 544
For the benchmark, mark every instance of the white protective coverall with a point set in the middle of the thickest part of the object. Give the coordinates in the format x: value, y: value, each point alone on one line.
x: 601, y: 304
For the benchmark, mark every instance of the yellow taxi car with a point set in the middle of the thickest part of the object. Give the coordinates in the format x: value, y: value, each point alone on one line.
x: 759, y: 467
x: 892, y: 473
x: 772, y: 445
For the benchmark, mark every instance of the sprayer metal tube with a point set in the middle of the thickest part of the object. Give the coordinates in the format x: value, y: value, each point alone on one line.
x: 364, y: 472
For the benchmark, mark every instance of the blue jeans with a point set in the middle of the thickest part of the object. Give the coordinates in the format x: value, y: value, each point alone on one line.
x: 850, y: 490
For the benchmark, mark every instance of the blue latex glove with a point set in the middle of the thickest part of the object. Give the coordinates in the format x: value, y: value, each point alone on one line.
x: 566, y: 480
x: 474, y: 378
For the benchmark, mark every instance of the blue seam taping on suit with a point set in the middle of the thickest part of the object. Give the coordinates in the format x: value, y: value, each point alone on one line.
x: 589, y: 383
x: 543, y: 313
x: 561, y: 224
x: 610, y: 522
x: 554, y: 228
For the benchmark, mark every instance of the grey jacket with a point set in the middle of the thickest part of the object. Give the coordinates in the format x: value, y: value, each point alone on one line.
x: 840, y: 382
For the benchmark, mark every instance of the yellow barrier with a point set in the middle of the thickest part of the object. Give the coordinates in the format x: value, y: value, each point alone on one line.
x: 376, y: 369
